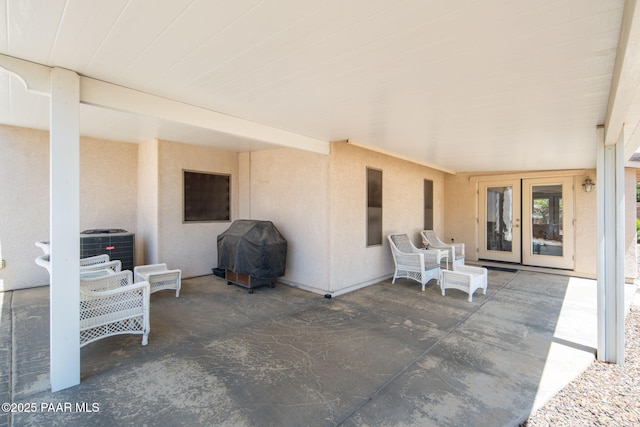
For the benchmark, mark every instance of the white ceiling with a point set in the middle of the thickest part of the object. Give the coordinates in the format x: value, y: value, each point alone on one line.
x: 466, y: 85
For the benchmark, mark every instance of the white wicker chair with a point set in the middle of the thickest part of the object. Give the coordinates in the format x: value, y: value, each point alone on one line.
x: 93, y: 260
x: 99, y: 262
x: 465, y: 278
x: 455, y: 250
x: 159, y: 277
x: 413, y: 263
x: 45, y: 246
x: 87, y: 265
x: 112, y: 305
x: 44, y: 262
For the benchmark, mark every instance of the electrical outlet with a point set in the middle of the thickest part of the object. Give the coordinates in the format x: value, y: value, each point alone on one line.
x: 2, y: 263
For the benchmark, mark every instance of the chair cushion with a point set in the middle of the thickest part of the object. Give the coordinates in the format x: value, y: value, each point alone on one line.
x: 403, y: 243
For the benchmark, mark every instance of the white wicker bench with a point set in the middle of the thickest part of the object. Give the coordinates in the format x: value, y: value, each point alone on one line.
x: 159, y: 277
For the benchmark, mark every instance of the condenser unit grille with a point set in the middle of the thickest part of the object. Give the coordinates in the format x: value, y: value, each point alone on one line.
x: 118, y: 244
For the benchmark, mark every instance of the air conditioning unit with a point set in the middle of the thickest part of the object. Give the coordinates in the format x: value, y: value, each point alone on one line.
x: 117, y: 243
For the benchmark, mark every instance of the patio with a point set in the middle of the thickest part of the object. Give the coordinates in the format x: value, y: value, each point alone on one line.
x: 384, y: 355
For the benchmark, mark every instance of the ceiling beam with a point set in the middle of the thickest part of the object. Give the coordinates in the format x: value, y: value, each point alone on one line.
x: 626, y: 75
x: 109, y: 95
x: 36, y: 78
x: 398, y: 156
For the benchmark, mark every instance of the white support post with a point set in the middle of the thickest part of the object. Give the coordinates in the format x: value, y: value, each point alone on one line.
x: 65, y: 227
x: 610, y: 249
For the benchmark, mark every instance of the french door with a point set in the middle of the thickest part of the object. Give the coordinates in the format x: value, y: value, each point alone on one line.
x: 528, y: 221
x: 500, y: 220
x: 547, y: 232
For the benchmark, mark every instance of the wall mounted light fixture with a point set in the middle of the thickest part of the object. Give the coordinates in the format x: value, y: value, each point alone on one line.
x: 588, y: 185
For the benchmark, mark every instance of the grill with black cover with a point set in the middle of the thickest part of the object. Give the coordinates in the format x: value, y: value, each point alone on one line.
x: 252, y: 253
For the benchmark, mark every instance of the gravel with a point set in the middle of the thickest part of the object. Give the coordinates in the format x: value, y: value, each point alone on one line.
x: 604, y: 395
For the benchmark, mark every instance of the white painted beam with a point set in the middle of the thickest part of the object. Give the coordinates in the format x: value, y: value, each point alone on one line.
x: 35, y: 77
x: 109, y: 95
x: 65, y: 228
x: 626, y: 74
x: 398, y: 156
x: 103, y: 94
x: 632, y: 141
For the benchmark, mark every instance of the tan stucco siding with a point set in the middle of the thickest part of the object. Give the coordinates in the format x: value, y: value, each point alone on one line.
x: 290, y: 188
x: 317, y: 201
x: 352, y: 263
x: 24, y: 205
x: 192, y: 246
x: 108, y: 193
x: 461, y: 212
x: 585, y: 226
x: 108, y: 184
x: 148, y: 182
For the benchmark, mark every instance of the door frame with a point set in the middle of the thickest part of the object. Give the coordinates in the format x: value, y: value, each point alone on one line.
x: 529, y: 256
x: 563, y: 177
x: 514, y: 255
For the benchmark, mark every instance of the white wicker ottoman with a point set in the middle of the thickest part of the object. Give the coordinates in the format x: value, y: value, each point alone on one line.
x: 159, y: 277
x: 465, y: 278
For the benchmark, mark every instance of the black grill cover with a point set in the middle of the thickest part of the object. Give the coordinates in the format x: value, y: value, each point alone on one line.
x: 255, y: 248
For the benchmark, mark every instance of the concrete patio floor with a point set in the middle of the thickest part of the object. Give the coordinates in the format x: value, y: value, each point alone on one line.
x: 386, y: 355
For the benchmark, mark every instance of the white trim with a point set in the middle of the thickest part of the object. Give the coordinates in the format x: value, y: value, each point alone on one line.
x: 526, y: 175
x: 566, y: 260
x: 398, y: 156
x: 610, y: 249
x: 516, y: 221
x: 600, y: 244
x: 618, y: 318
x: 339, y: 291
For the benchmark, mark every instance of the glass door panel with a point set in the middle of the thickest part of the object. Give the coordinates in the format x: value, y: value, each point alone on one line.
x: 500, y: 221
x: 548, y: 228
x: 546, y: 219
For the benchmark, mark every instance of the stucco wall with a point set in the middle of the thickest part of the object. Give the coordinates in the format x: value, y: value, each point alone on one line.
x: 461, y: 207
x: 290, y: 188
x: 244, y: 185
x: 352, y: 263
x: 585, y: 226
x: 24, y: 205
x: 148, y: 182
x: 318, y: 203
x: 192, y: 246
x: 108, y: 184
x: 107, y: 196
